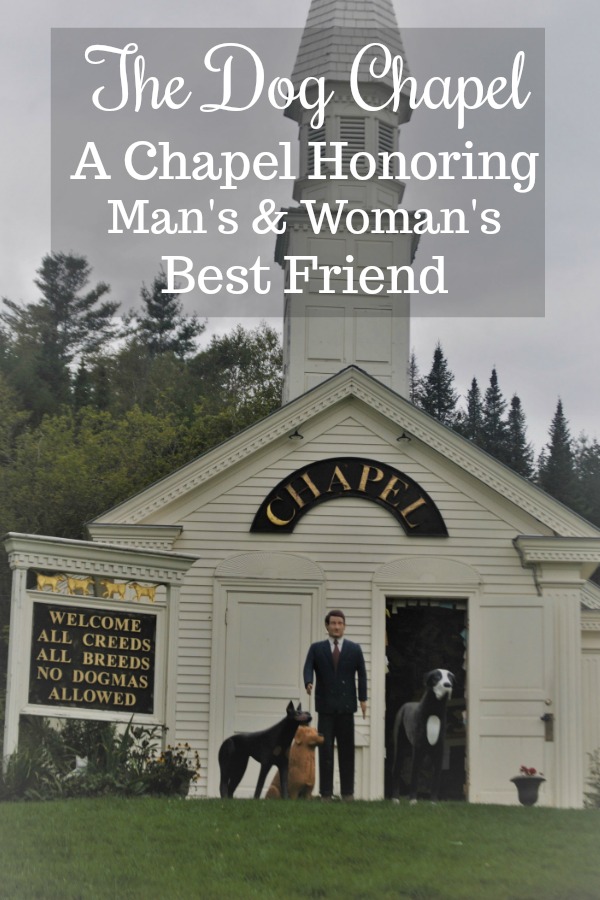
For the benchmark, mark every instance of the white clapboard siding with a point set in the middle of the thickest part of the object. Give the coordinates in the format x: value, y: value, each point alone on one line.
x: 357, y: 554
x: 349, y: 538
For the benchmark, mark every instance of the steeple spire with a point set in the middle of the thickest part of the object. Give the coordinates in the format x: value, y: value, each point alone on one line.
x: 328, y: 327
x: 335, y: 31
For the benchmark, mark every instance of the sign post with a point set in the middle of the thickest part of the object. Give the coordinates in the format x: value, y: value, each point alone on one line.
x: 93, y: 631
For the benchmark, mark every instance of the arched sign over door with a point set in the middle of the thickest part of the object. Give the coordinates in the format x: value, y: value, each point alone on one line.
x: 350, y: 476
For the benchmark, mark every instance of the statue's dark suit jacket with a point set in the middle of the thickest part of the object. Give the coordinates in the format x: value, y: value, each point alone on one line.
x: 336, y: 691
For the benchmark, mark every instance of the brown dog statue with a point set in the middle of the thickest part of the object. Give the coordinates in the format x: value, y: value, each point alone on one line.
x: 301, y: 765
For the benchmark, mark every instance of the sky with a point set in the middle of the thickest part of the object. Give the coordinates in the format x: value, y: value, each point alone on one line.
x: 541, y: 358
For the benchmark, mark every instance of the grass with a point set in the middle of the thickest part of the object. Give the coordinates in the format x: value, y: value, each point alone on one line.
x: 152, y: 848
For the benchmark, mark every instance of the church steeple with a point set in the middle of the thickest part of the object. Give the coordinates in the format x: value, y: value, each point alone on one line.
x: 335, y: 33
x: 326, y: 331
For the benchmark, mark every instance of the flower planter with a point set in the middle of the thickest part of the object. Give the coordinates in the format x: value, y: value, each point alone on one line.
x: 528, y: 787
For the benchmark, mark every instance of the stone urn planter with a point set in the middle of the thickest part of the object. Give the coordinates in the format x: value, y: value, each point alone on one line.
x: 528, y: 783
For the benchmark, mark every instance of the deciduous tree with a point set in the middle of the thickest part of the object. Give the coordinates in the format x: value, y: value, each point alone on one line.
x: 241, y: 372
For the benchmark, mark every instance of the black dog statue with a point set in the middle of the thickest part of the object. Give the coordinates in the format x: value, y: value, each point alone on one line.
x: 420, y: 729
x: 269, y: 748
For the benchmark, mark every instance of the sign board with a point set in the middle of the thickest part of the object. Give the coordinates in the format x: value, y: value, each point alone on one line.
x: 350, y: 476
x: 92, y: 658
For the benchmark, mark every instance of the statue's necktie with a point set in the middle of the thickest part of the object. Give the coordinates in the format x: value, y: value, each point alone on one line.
x: 336, y: 653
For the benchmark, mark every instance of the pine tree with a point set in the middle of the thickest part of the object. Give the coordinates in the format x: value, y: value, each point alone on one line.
x: 45, y: 337
x: 587, y: 469
x: 494, y: 430
x: 519, y: 450
x: 82, y: 389
x: 162, y: 327
x: 67, y: 318
x: 101, y: 388
x: 439, y: 398
x: 415, y: 382
x: 471, y: 421
x: 556, y: 468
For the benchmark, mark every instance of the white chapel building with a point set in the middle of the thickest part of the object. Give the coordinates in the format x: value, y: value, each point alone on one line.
x: 347, y: 496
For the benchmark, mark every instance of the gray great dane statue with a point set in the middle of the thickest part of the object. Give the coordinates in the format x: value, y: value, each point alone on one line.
x: 420, y: 729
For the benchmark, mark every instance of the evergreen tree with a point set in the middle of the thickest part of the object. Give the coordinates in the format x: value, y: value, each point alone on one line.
x: 519, y: 450
x: 101, y: 389
x: 66, y: 319
x: 132, y: 377
x: 439, y: 398
x: 471, y: 421
x: 415, y: 382
x: 46, y: 336
x: 12, y: 422
x: 494, y: 432
x: 82, y: 390
x: 556, y: 467
x: 162, y: 327
x: 587, y: 469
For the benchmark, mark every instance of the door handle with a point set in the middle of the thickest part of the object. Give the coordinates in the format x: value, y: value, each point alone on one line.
x: 548, y: 720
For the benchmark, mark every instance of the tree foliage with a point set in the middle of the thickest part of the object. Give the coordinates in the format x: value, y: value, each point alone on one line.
x: 241, y: 372
x: 415, y: 382
x: 568, y: 470
x: 494, y: 428
x: 470, y: 422
x: 438, y: 396
x: 162, y: 326
x: 87, y: 421
x: 519, y: 452
x: 43, y: 338
x: 556, y: 468
x: 587, y: 473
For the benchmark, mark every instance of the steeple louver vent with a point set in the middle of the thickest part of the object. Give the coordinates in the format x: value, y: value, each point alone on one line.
x: 315, y: 136
x: 352, y: 132
x: 334, y: 313
x: 386, y: 141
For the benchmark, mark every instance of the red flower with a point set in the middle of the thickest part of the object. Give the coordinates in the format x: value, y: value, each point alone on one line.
x: 524, y: 770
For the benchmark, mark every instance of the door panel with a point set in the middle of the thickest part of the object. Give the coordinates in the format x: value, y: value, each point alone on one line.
x: 268, y: 635
x: 515, y: 650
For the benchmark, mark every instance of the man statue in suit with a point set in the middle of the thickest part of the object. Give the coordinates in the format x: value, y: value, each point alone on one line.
x: 336, y: 662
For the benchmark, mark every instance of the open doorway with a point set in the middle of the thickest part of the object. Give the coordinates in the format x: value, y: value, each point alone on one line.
x: 421, y: 635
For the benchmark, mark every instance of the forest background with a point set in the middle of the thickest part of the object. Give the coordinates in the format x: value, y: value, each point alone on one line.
x: 96, y: 404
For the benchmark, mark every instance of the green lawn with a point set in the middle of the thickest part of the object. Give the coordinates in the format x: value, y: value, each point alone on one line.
x: 171, y: 849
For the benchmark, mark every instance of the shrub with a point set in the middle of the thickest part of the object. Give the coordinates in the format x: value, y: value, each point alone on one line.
x: 30, y: 774
x: 87, y: 759
x: 172, y: 771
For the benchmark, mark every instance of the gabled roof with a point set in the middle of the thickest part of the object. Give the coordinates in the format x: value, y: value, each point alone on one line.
x: 353, y: 384
x: 337, y: 29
